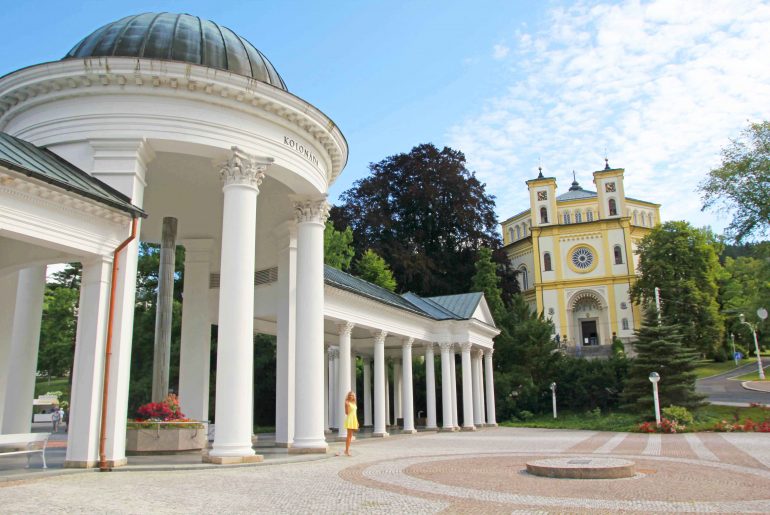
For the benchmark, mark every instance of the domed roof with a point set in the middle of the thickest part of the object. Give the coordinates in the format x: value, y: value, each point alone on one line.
x: 178, y: 37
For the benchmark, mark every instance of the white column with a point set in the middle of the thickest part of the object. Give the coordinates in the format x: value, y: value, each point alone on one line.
x: 408, y: 400
x: 242, y: 175
x: 353, y: 375
x: 9, y: 284
x: 25, y: 339
x: 379, y: 384
x: 476, y: 354
x: 467, y: 387
x: 285, y: 343
x: 482, y: 404
x: 453, y: 372
x: 123, y: 165
x: 331, y: 386
x: 397, y: 391
x: 388, y: 413
x: 195, y: 350
x: 430, y: 386
x: 326, y: 367
x: 309, y: 426
x: 88, y: 366
x: 446, y: 386
x: 343, y: 387
x: 490, y: 388
x: 367, y: 391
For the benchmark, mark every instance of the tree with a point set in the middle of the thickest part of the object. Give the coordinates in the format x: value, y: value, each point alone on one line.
x: 371, y: 267
x: 682, y: 262
x: 744, y: 287
x: 487, y: 281
x: 57, y: 330
x: 426, y: 214
x: 741, y: 185
x: 660, y: 349
x: 338, y: 247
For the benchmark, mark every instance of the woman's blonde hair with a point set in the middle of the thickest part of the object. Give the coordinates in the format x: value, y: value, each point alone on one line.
x: 350, y: 395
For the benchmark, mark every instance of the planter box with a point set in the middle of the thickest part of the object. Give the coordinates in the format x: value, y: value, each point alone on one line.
x: 168, y: 440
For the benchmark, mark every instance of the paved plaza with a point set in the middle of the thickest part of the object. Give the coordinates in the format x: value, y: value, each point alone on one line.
x: 482, y: 472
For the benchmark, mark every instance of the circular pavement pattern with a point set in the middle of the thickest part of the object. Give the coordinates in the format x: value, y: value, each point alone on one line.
x: 500, y: 483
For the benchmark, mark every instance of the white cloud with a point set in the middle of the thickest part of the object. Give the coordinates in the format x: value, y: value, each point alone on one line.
x: 661, y: 85
x: 500, y: 52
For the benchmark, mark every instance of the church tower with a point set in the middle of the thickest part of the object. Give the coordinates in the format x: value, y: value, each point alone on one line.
x: 610, y: 193
x: 542, y: 200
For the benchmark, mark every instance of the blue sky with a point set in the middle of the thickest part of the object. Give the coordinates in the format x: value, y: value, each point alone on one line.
x: 660, y: 85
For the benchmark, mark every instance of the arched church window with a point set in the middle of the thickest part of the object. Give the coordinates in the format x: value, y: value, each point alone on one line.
x: 543, y: 215
x: 618, y: 255
x: 650, y: 219
x: 523, y: 278
x: 613, y: 207
x: 590, y: 215
x: 636, y: 221
x: 578, y: 217
x: 566, y: 217
x: 624, y: 324
x: 518, y: 232
x: 547, y: 261
x: 510, y: 233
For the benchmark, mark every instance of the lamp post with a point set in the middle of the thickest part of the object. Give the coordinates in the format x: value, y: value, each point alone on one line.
x: 654, y: 378
x: 553, y: 398
x: 760, y: 312
x: 735, y: 356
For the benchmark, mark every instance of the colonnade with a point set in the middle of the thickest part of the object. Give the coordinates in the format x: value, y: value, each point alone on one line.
x: 478, y: 404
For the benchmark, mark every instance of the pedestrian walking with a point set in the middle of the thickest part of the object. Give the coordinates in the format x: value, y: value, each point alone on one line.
x: 351, y: 420
x: 55, y: 419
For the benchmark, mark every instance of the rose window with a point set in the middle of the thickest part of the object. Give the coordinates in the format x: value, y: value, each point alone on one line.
x: 582, y: 258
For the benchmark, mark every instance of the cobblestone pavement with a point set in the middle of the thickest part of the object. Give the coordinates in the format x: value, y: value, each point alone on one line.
x: 480, y: 472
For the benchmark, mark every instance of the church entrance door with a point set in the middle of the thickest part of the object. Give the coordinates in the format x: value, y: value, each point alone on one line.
x: 589, y: 334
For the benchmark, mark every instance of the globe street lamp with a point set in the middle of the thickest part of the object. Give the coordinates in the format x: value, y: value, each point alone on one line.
x: 760, y: 312
x: 553, y: 398
x: 654, y: 378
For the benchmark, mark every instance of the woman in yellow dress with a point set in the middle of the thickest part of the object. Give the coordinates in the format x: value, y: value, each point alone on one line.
x: 351, y: 420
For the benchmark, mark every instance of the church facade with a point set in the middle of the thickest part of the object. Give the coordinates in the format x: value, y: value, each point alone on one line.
x: 576, y: 257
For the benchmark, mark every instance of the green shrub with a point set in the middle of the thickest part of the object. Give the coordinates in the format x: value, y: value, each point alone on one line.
x: 525, y: 415
x: 678, y: 414
x: 594, y: 413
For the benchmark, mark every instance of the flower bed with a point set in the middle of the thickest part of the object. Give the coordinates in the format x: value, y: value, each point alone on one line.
x: 161, y: 428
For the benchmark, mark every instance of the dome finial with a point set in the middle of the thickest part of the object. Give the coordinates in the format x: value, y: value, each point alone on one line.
x: 575, y: 186
x: 607, y: 164
x: 540, y: 174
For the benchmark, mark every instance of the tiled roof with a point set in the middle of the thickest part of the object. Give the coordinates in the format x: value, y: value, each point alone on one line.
x: 42, y: 164
x: 575, y: 195
x: 447, y: 307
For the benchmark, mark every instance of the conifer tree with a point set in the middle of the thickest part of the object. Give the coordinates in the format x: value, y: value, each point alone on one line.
x: 659, y: 349
x: 487, y: 281
x: 371, y: 267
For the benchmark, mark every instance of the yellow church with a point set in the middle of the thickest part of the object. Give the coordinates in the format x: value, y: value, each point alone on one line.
x: 576, y: 257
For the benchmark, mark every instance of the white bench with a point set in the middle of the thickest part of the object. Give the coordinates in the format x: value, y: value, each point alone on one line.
x: 24, y: 443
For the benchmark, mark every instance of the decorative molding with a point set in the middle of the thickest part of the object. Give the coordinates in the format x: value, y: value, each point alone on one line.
x: 334, y: 353
x: 446, y: 346
x: 311, y: 210
x: 488, y: 353
x: 50, y: 197
x: 242, y: 169
x: 407, y: 343
x: 42, y: 83
x: 466, y: 346
x: 345, y: 328
x: 379, y: 337
x: 479, y: 353
x: 429, y: 346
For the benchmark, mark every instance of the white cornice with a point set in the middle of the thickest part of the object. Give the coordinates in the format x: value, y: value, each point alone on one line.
x: 31, y: 86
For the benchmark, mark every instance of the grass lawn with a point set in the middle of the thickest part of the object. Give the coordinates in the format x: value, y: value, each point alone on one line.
x: 708, y: 368
x: 705, y: 419
x: 57, y: 384
x: 753, y: 376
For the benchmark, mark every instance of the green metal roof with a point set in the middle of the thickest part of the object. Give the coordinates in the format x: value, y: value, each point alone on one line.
x: 42, y: 164
x: 448, y: 307
x: 178, y: 37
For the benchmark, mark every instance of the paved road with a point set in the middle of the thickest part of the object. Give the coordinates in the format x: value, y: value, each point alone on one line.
x: 466, y: 472
x: 722, y: 389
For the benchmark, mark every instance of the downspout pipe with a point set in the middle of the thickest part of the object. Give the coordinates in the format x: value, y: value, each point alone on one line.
x: 103, y: 466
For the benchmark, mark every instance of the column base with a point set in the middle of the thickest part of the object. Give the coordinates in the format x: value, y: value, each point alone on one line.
x: 447, y: 430
x: 380, y: 435
x: 408, y: 431
x: 284, y: 445
x: 491, y: 425
x: 90, y: 464
x: 230, y: 460
x: 308, y: 450
x: 468, y: 428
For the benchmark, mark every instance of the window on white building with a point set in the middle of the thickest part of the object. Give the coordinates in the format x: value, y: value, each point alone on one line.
x: 566, y: 217
x: 578, y: 217
x: 547, y: 261
x: 624, y: 324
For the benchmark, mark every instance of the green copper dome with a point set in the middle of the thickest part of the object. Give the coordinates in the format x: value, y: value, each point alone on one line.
x: 178, y: 37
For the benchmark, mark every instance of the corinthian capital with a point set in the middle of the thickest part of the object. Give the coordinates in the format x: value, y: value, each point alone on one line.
x: 244, y: 169
x: 311, y: 210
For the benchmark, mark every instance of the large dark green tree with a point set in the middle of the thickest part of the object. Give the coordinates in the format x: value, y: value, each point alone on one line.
x: 741, y: 184
x: 426, y: 214
x: 682, y: 261
x: 660, y: 349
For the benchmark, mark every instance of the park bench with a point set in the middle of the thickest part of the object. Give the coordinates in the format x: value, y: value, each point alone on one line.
x: 24, y: 443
